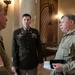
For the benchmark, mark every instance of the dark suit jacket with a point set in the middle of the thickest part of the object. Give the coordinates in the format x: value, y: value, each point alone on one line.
x: 26, y: 49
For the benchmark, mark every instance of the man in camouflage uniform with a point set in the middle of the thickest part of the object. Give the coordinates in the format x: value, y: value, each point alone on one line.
x: 4, y: 63
x: 66, y: 50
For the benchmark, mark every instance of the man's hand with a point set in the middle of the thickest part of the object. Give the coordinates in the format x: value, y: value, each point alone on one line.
x: 1, y: 62
x: 40, y: 66
x: 13, y: 69
x: 57, y: 67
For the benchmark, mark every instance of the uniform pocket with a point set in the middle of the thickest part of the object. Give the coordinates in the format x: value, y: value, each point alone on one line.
x: 66, y: 52
x: 22, y: 54
x: 67, y: 49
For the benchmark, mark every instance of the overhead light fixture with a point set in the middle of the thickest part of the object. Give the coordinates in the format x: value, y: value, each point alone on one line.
x: 7, y: 2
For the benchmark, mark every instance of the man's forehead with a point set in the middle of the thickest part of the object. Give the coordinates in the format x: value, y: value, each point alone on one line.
x: 64, y: 18
x: 26, y: 17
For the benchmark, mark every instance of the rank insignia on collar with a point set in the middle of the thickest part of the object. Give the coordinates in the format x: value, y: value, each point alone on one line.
x: 33, y: 35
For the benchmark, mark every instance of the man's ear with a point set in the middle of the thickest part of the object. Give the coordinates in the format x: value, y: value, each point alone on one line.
x: 72, y: 22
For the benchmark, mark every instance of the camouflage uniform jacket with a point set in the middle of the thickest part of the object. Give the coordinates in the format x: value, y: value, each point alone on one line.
x: 66, y: 51
x: 4, y: 57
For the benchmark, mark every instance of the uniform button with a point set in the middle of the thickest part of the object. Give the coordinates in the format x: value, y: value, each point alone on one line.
x: 27, y: 46
x: 27, y: 42
x: 26, y: 38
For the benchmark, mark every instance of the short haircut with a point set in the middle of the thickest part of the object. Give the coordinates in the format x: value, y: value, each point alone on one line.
x: 70, y: 16
x: 24, y: 15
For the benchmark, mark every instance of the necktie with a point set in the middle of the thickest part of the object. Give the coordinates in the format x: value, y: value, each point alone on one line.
x: 27, y: 31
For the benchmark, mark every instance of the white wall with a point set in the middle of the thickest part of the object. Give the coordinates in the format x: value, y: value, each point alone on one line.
x: 31, y: 7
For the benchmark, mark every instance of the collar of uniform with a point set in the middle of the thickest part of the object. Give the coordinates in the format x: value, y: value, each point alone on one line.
x: 1, y: 38
x: 26, y: 28
x: 70, y: 32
